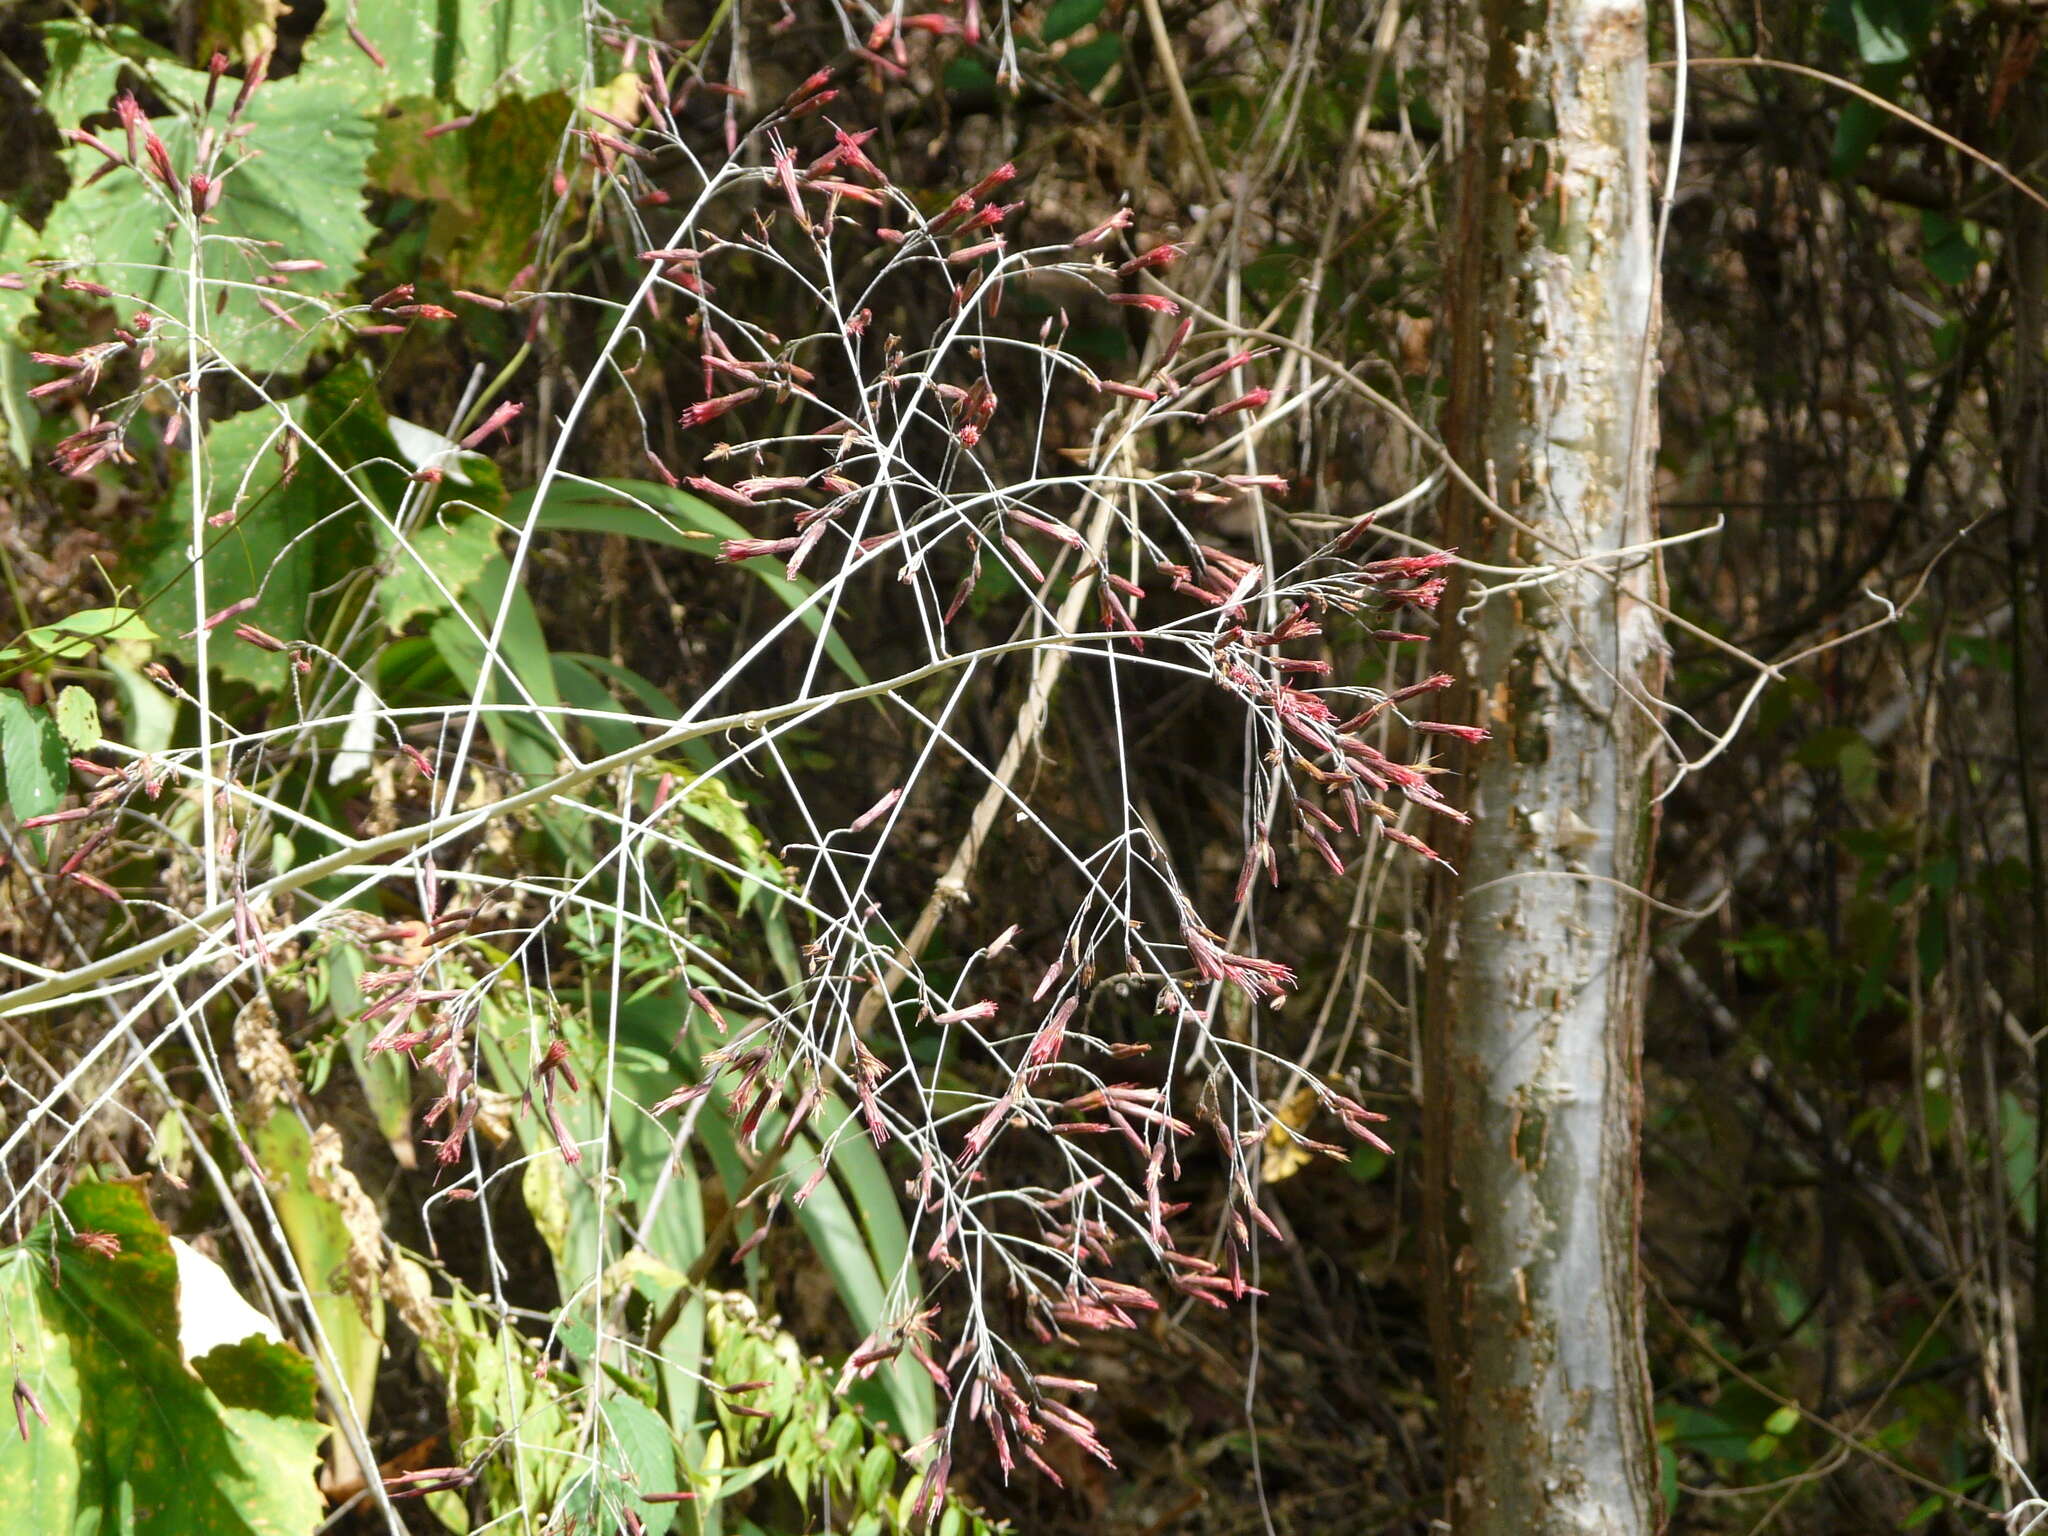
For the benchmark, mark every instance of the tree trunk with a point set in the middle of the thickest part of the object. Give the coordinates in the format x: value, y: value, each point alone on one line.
x: 1534, y: 1029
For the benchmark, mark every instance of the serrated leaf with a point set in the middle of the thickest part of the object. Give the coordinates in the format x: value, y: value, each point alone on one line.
x: 138, y: 1439
x: 78, y: 719
x: 489, y: 183
x: 455, y: 551
x: 87, y: 62
x: 472, y: 53
x: 296, y: 191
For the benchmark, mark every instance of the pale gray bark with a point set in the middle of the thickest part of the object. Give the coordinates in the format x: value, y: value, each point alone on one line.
x: 1534, y: 1046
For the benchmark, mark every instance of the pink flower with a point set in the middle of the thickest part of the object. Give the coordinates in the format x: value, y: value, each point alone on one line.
x: 503, y: 416
x: 875, y: 813
x: 1216, y: 371
x: 985, y: 1009
x: 1406, y: 567
x: 1472, y: 733
x: 717, y: 406
x: 1255, y: 977
x: 735, y: 550
x: 1253, y: 401
x: 1158, y: 256
x: 1121, y: 219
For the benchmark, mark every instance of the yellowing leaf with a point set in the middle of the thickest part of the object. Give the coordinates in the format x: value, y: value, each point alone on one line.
x: 1282, y: 1156
x: 78, y: 719
x: 137, y: 1438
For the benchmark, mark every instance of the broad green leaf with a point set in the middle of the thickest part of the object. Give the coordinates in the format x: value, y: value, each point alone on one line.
x: 87, y: 63
x: 1087, y: 64
x: 138, y: 1439
x: 651, y: 698
x: 643, y: 1461
x: 1949, y: 247
x: 297, y: 195
x: 288, y: 537
x: 468, y: 52
x: 859, y: 1167
x: 581, y: 690
x: 36, y: 765
x: 877, y: 1473
x: 455, y: 551
x: 836, y: 1237
x: 78, y: 719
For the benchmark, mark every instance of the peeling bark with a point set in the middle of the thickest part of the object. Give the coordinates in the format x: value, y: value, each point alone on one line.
x: 1534, y: 1027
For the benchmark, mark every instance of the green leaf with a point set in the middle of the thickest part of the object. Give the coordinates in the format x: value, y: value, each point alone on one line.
x: 1924, y: 1511
x: 1947, y: 246
x: 317, y: 1230
x: 1067, y: 17
x: 138, y: 1439
x: 79, y: 635
x: 455, y: 552
x: 531, y: 748
x: 1783, y: 1421
x: 78, y: 719
x: 641, y: 509
x: 877, y: 1472
x: 36, y: 763
x: 87, y: 62
x: 2018, y: 1144
x: 244, y: 30
x: 1087, y: 64
x: 646, y: 1461
x: 837, y: 1239
x: 152, y: 714
x: 299, y: 196
x: 469, y: 52
x: 969, y: 77
x: 496, y: 1395
x: 581, y: 690
x: 287, y: 536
